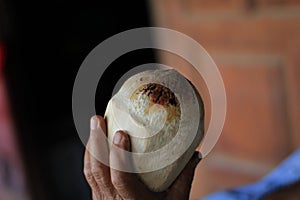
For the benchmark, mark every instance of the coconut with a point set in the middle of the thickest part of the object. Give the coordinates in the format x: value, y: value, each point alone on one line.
x: 163, y: 114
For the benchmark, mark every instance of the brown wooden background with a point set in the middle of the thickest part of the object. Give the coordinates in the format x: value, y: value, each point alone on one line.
x: 256, y: 45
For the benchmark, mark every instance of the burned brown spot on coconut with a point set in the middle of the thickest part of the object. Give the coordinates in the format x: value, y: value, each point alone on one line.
x: 161, y: 95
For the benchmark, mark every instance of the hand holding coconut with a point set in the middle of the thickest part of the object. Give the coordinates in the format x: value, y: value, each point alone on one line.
x: 157, y: 110
x: 107, y: 183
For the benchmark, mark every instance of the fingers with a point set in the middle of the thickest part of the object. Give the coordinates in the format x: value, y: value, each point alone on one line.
x: 180, y: 189
x: 127, y: 184
x: 87, y: 170
x: 97, y: 173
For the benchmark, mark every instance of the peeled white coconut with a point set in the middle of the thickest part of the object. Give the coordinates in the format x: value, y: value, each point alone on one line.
x: 158, y: 108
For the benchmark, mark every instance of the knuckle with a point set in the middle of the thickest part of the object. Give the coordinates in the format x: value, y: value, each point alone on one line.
x: 88, y: 174
x: 90, y: 178
x: 97, y: 172
x: 117, y: 180
x: 91, y: 181
x: 102, y: 181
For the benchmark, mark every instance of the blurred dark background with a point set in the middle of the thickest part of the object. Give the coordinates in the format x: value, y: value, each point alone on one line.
x: 45, y: 44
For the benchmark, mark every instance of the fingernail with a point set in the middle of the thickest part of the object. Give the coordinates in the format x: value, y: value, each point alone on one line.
x: 117, y: 138
x: 94, y: 123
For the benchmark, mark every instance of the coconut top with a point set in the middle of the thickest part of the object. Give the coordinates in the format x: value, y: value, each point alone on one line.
x: 154, y: 106
x: 159, y: 94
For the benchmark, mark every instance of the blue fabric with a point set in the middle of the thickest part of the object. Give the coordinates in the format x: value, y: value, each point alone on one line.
x: 286, y: 173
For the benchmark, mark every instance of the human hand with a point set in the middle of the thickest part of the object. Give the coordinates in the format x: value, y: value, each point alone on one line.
x: 107, y: 183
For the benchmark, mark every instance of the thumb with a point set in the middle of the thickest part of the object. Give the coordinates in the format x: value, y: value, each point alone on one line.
x: 180, y: 189
x: 127, y: 184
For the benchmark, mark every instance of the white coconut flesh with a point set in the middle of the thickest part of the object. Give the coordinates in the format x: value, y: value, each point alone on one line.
x: 154, y: 107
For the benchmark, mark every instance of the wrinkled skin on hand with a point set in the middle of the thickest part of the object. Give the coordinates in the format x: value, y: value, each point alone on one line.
x: 108, y: 183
